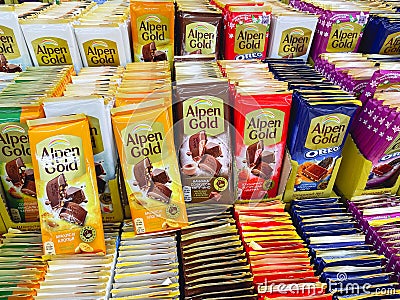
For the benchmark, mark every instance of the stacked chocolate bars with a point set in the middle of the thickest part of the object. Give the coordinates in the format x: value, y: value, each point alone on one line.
x: 278, y: 257
x: 21, y: 264
x: 342, y: 256
x: 82, y: 276
x: 377, y: 215
x: 95, y: 81
x: 213, y: 260
x: 147, y: 266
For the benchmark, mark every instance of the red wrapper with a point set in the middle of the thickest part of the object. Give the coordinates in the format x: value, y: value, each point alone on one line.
x: 261, y: 123
x: 246, y: 31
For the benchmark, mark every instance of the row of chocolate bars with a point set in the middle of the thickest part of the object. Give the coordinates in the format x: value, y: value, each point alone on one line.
x: 89, y: 34
x: 215, y: 103
x: 322, y: 250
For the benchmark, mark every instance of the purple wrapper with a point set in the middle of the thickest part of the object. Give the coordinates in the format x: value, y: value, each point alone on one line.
x: 369, y: 120
x: 381, y: 217
x: 328, y: 19
x: 362, y: 119
x: 384, y: 142
x: 314, y: 51
x: 393, y: 259
x: 359, y: 87
x: 374, y: 137
x: 378, y: 78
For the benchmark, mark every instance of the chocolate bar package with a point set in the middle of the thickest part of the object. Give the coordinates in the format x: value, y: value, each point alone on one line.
x: 13, y: 45
x: 69, y: 206
x: 16, y: 163
x: 336, y: 253
x: 203, y: 139
x: 261, y: 122
x: 246, y: 31
x: 291, y: 33
x: 100, y: 131
x: 326, y: 126
x: 381, y: 33
x: 153, y: 31
x: 50, y: 36
x: 147, y: 152
x: 102, y: 35
x: 147, y: 266
x: 199, y: 30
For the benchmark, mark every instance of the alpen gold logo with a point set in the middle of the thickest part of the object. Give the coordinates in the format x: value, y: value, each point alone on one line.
x: 52, y: 51
x: 327, y: 131
x: 101, y: 52
x: 294, y: 42
x: 391, y: 45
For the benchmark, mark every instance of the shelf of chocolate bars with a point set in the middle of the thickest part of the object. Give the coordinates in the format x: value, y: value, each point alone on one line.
x: 278, y: 257
x: 341, y: 254
x: 147, y: 266
x: 22, y: 268
x: 214, y: 263
x: 83, y: 275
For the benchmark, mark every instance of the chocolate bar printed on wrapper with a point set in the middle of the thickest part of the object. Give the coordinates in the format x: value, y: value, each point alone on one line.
x: 56, y: 190
x: 203, y: 140
x: 73, y: 213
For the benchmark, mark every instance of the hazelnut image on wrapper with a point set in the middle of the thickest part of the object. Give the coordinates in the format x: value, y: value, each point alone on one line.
x: 189, y: 169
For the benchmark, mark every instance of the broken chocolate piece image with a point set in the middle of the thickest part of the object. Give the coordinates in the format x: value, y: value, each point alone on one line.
x: 160, y: 56
x: 197, y: 143
x: 315, y: 172
x: 29, y: 176
x: 263, y: 170
x: 148, y: 51
x: 253, y: 154
x: 326, y: 162
x: 210, y: 164
x: 160, y: 176
x: 214, y: 196
x: 29, y: 188
x: 15, y: 171
x: 99, y: 169
x: 382, y: 169
x: 213, y: 149
x: 75, y: 195
x: 142, y: 172
x: 73, y: 213
x: 196, y: 52
x: 6, y: 67
x: 160, y: 192
x: 56, y: 190
x: 101, y: 185
x: 268, y: 157
x: 11, y: 68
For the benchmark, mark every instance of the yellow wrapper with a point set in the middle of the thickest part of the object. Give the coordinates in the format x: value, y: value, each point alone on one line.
x: 153, y: 30
x: 145, y: 143
x: 69, y: 206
